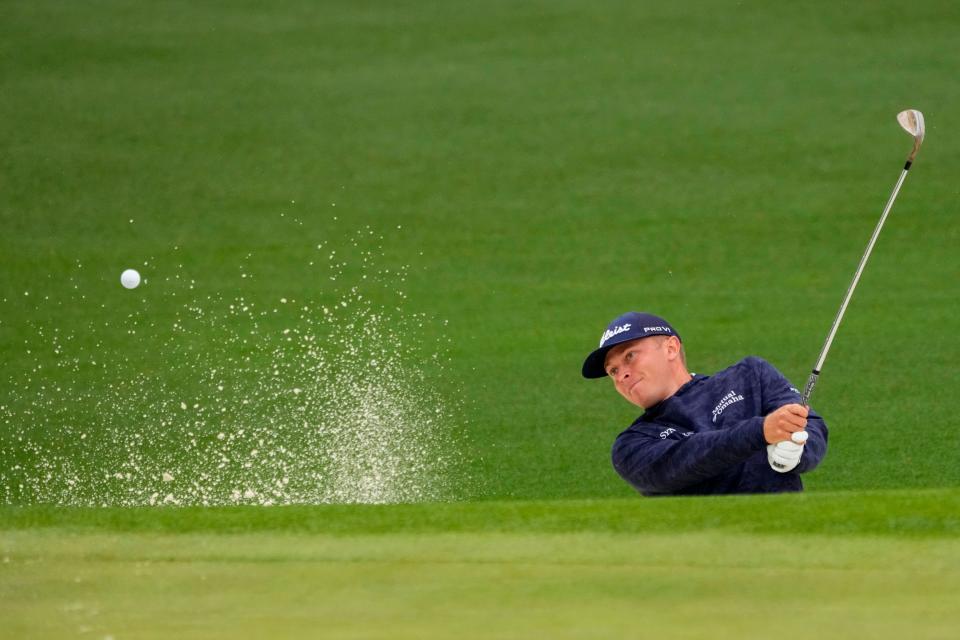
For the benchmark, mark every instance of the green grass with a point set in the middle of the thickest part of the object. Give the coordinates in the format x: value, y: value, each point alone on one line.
x: 569, y: 585
x: 538, y: 168
x: 550, y: 164
x: 882, y: 564
x: 931, y: 513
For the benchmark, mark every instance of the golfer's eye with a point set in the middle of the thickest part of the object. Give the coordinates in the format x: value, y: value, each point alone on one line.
x: 629, y: 356
x: 612, y: 371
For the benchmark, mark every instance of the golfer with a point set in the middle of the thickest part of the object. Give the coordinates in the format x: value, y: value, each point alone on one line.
x: 731, y: 432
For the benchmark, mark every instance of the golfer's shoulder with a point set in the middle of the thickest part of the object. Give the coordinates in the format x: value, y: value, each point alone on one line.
x: 749, y: 366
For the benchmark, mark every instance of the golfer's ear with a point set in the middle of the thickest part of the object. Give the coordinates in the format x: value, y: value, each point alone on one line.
x: 673, y: 346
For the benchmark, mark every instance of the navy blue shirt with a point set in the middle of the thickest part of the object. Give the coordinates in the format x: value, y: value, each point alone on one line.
x: 707, y: 438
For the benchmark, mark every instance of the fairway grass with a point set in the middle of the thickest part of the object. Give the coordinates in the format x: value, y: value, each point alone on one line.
x: 831, y: 565
x: 698, y: 585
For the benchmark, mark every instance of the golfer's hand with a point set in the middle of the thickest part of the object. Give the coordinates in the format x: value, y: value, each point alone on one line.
x: 784, y: 456
x: 779, y: 425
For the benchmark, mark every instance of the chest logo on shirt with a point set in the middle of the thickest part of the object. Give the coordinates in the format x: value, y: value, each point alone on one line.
x: 726, y: 401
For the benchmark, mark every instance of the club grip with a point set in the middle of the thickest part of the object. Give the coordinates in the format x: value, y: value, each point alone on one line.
x: 808, y: 389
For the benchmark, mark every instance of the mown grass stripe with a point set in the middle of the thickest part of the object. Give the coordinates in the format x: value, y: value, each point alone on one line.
x: 917, y: 513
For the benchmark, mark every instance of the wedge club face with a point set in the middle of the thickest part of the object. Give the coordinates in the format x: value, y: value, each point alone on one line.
x: 912, y: 122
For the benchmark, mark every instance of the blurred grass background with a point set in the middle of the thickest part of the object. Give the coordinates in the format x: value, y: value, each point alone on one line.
x: 541, y: 167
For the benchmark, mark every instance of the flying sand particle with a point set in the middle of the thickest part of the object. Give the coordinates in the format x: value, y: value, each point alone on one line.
x: 339, y: 437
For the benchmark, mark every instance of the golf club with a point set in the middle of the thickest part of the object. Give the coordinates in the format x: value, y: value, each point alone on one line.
x: 912, y: 121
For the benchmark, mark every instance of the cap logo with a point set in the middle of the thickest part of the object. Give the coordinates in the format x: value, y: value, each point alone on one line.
x: 657, y: 329
x: 609, y: 333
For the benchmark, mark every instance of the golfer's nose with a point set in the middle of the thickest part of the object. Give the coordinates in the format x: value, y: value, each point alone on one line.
x: 623, y: 375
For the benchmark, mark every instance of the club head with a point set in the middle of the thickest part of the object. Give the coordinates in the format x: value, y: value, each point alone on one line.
x: 912, y: 122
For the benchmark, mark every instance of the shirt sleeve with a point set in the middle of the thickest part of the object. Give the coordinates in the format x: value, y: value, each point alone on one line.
x: 777, y: 391
x: 656, y: 466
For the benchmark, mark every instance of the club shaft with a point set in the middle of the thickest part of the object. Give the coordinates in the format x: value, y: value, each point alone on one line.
x: 812, y: 380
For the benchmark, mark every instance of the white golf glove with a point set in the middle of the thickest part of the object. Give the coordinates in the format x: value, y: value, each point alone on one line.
x: 784, y: 456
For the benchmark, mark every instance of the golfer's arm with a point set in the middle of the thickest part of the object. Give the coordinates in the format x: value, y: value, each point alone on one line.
x: 654, y: 466
x: 816, y: 445
x: 777, y: 391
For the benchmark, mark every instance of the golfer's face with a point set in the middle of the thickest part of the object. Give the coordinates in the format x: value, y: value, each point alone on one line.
x: 640, y: 370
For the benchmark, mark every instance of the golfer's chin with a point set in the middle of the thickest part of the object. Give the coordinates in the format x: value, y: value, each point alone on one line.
x: 634, y: 397
x: 644, y: 400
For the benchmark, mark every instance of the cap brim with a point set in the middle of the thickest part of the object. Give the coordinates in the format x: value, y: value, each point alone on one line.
x: 593, y: 366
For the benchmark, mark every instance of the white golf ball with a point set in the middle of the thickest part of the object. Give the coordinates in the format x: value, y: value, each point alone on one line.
x: 130, y: 279
x: 799, y: 437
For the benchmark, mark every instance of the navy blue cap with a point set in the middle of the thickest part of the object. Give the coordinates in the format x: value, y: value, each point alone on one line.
x: 630, y: 326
